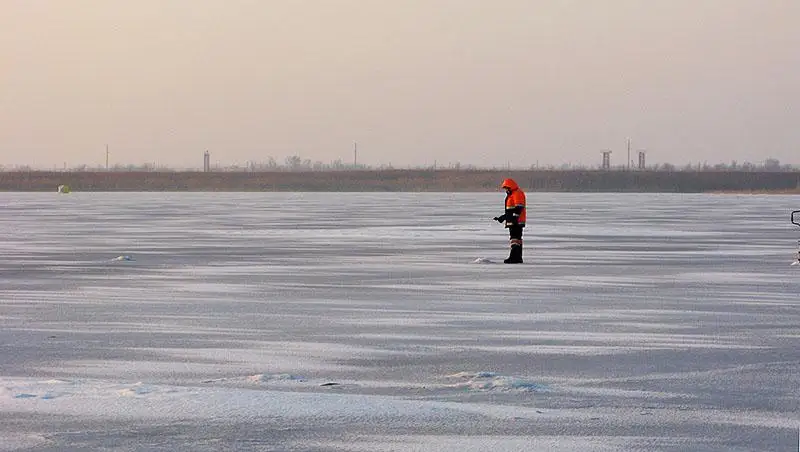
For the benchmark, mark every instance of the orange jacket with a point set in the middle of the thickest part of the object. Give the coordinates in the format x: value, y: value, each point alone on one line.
x: 515, y: 202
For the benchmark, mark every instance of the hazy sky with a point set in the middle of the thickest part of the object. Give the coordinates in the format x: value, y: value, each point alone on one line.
x: 484, y: 82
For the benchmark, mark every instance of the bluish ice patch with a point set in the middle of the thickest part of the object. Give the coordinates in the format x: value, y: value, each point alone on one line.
x: 25, y: 396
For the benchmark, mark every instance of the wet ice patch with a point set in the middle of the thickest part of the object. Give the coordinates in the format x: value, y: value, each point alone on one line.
x: 490, y: 381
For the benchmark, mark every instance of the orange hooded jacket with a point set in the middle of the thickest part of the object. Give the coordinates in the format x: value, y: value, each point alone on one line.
x: 515, y: 200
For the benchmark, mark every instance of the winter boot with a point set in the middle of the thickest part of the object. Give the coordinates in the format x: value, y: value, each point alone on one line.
x: 515, y: 256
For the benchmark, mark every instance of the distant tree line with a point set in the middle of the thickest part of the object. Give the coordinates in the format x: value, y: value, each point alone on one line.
x: 295, y: 163
x: 446, y: 180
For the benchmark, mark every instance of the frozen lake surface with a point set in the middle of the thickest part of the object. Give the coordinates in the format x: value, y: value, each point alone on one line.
x: 361, y: 322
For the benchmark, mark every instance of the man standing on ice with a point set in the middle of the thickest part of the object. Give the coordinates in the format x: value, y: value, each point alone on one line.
x: 514, y: 218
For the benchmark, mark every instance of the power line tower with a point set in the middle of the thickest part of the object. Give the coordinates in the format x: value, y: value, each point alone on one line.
x: 606, y: 159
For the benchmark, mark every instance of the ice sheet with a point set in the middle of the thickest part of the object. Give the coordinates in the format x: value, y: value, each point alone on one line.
x: 320, y: 321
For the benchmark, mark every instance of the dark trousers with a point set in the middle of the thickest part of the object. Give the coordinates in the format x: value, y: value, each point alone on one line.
x: 515, y: 245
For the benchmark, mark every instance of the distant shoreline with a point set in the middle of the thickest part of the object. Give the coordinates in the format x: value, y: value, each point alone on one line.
x: 795, y: 191
x: 586, y: 181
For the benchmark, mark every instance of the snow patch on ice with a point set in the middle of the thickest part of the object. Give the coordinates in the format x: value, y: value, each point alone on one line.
x: 286, y: 381
x: 466, y: 375
x: 490, y: 381
x: 479, y: 443
x: 483, y: 260
x: 136, y: 389
x: 618, y: 393
x: 43, y: 390
x: 268, y: 378
x: 123, y: 258
x: 20, y: 441
x: 121, y: 401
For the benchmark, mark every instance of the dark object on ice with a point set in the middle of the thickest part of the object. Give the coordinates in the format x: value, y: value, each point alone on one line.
x: 330, y: 383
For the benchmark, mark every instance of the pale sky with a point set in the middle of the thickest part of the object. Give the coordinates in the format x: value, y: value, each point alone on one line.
x: 482, y: 82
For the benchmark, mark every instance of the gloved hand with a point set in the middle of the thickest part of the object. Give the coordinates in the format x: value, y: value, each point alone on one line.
x: 500, y: 219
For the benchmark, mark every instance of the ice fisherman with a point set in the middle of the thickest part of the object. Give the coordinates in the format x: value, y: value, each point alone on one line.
x: 514, y: 219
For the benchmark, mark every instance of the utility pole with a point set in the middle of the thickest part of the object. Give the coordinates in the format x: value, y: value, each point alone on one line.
x: 355, y: 154
x: 106, y: 157
x: 628, y: 165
